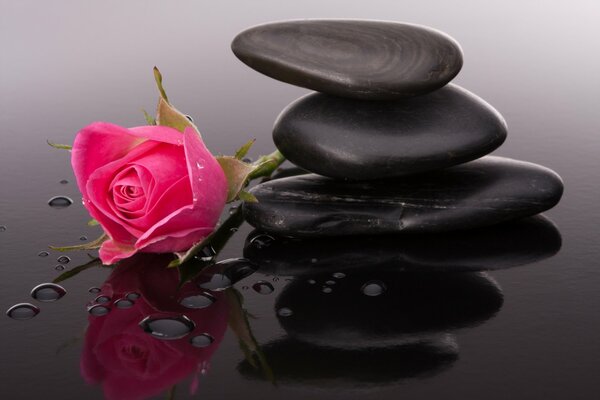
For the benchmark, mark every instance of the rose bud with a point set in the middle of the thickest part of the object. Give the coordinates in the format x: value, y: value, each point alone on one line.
x: 153, y: 189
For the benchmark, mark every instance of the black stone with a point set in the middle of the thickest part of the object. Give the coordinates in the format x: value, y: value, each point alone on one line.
x: 415, y: 307
x: 507, y: 245
x: 351, y: 58
x: 355, y: 139
x: 480, y: 193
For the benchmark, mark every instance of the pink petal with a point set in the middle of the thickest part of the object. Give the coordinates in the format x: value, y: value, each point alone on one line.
x: 111, y: 252
x: 190, y: 224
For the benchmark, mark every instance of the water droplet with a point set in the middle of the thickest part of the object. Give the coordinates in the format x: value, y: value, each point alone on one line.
x: 312, y: 281
x: 47, y: 292
x: 327, y: 289
x: 247, y: 160
x: 201, y: 300
x: 98, y: 310
x: 263, y: 287
x: 43, y: 254
x: 285, y: 312
x: 3, y: 228
x: 373, y: 288
x: 83, y: 238
x: 22, y: 311
x: 133, y: 296
x: 64, y: 182
x: 202, y: 340
x: 261, y: 241
x: 179, y: 142
x: 338, y: 275
x: 63, y: 259
x: 207, y: 253
x: 102, y: 299
x: 60, y: 202
x: 189, y: 118
x: 94, y: 290
x: 275, y: 279
x: 199, y: 165
x: 224, y: 274
x: 167, y: 328
x: 60, y: 267
x: 123, y: 303
x: 330, y: 282
x: 233, y: 230
x: 313, y: 260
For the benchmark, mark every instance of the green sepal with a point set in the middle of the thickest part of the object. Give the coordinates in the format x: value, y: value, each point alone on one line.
x: 60, y: 146
x: 94, y: 244
x: 247, y: 197
x: 237, y: 173
x: 166, y: 114
x: 93, y: 222
x: 241, y: 153
x: 149, y: 118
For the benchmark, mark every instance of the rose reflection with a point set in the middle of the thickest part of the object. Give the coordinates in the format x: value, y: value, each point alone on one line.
x: 130, y: 363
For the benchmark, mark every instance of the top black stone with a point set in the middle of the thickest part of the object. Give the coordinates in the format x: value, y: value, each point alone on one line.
x: 352, y: 58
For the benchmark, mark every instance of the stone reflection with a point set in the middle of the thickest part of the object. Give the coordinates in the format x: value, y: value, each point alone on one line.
x: 497, y: 247
x: 133, y: 361
x: 345, y: 337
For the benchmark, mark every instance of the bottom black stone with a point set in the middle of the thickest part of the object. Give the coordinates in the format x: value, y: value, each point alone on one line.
x: 480, y: 193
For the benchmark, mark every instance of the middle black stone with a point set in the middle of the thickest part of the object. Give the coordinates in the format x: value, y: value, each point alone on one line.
x: 361, y: 140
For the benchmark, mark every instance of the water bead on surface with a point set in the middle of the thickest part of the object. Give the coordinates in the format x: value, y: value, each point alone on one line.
x: 123, y: 303
x: 60, y: 202
x: 197, y: 301
x: 3, y: 228
x: 102, y: 299
x: 48, y: 292
x: 94, y: 290
x: 59, y: 267
x: 133, y: 296
x: 263, y: 287
x: 22, y: 311
x: 338, y: 275
x: 43, y: 254
x: 202, y: 340
x: 98, y: 310
x: 285, y: 312
x: 167, y: 328
x: 373, y: 288
x: 326, y: 289
x: 262, y: 241
x: 63, y: 259
x: 64, y: 182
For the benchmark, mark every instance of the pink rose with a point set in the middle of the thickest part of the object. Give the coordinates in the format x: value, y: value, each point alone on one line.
x: 152, y: 188
x: 130, y: 363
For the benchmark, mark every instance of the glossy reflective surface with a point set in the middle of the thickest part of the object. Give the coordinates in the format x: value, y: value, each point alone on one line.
x: 530, y: 331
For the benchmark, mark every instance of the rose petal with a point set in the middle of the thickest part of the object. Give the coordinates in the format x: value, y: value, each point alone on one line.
x: 190, y: 224
x: 111, y: 252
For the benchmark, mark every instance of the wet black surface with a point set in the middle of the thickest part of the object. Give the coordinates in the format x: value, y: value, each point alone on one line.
x: 530, y: 331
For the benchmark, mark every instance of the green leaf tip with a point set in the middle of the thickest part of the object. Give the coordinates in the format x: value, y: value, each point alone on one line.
x: 59, y: 146
x: 244, y: 149
x: 149, y: 118
x: 158, y: 79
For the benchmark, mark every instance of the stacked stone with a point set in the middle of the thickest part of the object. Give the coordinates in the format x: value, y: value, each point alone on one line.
x: 391, y: 144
